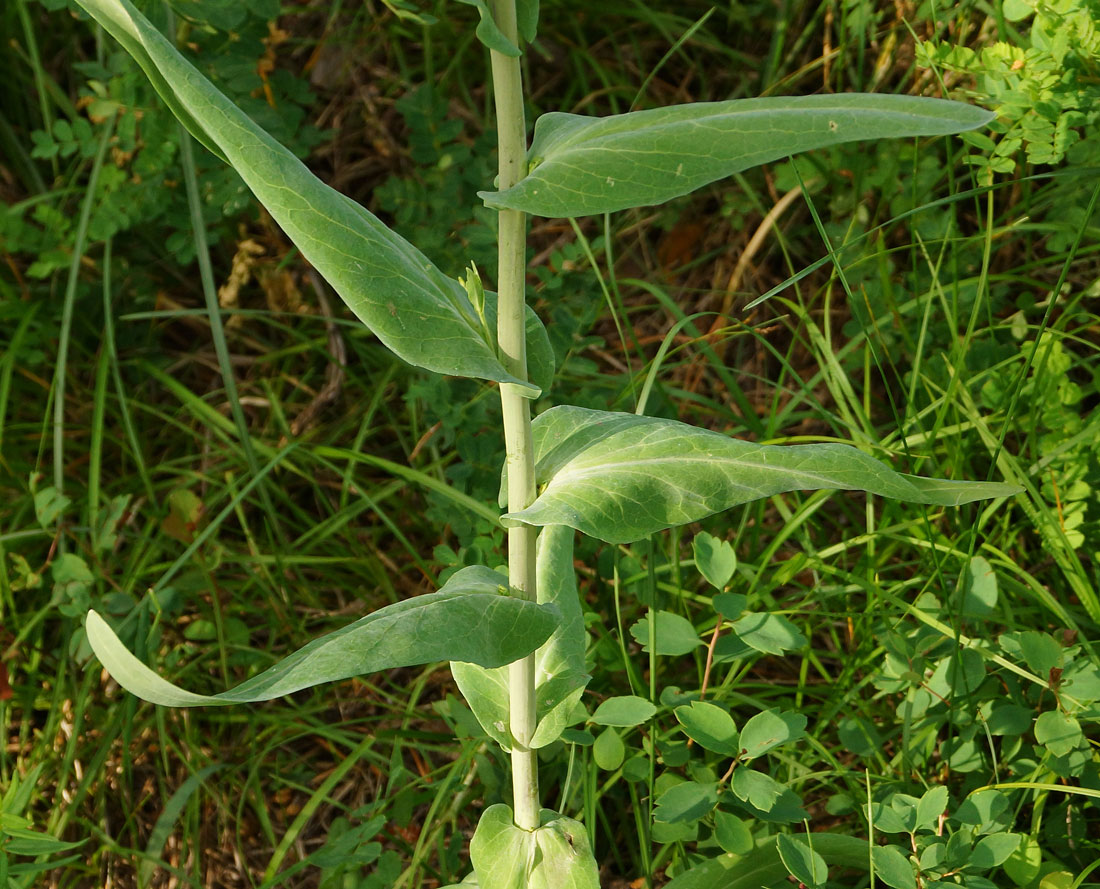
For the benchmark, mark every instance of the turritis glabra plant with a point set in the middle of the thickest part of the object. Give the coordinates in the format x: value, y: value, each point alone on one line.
x: 516, y: 643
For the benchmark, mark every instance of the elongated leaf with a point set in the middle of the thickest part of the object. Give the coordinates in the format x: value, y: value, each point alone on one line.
x: 468, y: 619
x: 559, y: 663
x: 413, y: 308
x: 620, y: 477
x: 583, y: 165
x: 556, y: 855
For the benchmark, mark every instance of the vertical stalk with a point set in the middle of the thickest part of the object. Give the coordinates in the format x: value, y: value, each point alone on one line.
x: 512, y: 149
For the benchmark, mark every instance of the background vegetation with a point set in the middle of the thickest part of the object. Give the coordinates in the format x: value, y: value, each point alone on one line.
x: 933, y: 302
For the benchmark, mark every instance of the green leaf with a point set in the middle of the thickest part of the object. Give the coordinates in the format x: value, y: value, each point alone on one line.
x: 893, y: 868
x: 1041, y: 651
x: 932, y: 804
x: 1023, y: 865
x: 859, y: 736
x: 715, y: 559
x: 556, y: 855
x: 1058, y: 732
x: 620, y: 477
x: 486, y: 691
x: 1009, y: 719
x: 769, y: 729
x: 584, y: 165
x: 768, y: 633
x: 527, y: 18
x: 688, y: 801
x: 763, y: 865
x: 993, y: 850
x: 675, y: 634
x: 732, y: 834
x: 488, y: 32
x: 979, y: 588
x: 802, y: 862
x: 756, y: 788
x: 609, y: 750
x: 626, y: 710
x: 710, y: 726
x: 418, y: 312
x: 467, y: 620
x: 731, y: 605
x: 987, y: 810
x: 49, y: 504
x: 559, y: 663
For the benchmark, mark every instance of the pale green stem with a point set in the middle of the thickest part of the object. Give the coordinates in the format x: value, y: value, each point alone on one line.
x: 512, y: 148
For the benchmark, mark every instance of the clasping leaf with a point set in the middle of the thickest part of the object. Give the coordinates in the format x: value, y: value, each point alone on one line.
x: 560, y: 678
x: 601, y: 164
x: 467, y: 620
x: 619, y: 477
x: 555, y: 855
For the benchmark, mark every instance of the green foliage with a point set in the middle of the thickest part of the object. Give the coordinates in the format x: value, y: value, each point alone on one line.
x: 497, y: 629
x: 1042, y: 85
x: 619, y: 477
x: 19, y: 839
x: 579, y: 166
x: 717, y: 768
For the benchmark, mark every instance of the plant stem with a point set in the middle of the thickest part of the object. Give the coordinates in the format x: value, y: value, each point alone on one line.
x: 512, y: 244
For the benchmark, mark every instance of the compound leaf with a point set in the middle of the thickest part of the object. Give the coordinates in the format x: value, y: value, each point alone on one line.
x: 467, y: 620
x: 583, y: 165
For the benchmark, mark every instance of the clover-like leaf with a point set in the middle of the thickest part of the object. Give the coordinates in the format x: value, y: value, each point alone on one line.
x: 770, y: 729
x: 710, y: 726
